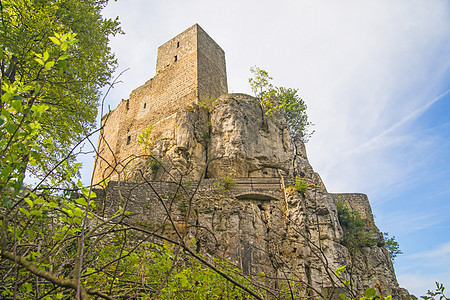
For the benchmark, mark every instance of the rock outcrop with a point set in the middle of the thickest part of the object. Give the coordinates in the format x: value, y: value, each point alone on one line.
x: 245, y: 208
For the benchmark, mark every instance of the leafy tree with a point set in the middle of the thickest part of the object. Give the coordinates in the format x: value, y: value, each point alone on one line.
x: 26, y: 214
x: 391, y: 245
x: 56, y: 247
x: 281, y: 99
x: 70, y: 95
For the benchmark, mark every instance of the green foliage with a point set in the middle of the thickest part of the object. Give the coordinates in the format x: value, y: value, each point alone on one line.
x: 153, y: 164
x: 44, y: 224
x: 145, y: 139
x: 371, y: 293
x: 225, y: 184
x: 21, y: 125
x: 356, y: 234
x: 141, y: 271
x: 391, y: 245
x: 300, y: 185
x: 437, y: 294
x: 282, y: 99
x: 207, y: 103
x: 35, y: 57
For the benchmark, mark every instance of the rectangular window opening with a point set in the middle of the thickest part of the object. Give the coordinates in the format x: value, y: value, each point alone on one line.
x: 178, y: 44
x: 128, y: 139
x: 176, y: 58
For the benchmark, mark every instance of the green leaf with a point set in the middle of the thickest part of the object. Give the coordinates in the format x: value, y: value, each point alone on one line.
x: 183, y: 280
x: 85, y: 192
x: 36, y: 213
x: 40, y: 61
x: 78, y: 211
x: 39, y: 201
x: 32, y: 161
x: 24, y: 211
x: 6, y: 113
x: 63, y: 57
x: 29, y: 202
x: 39, y: 109
x: 369, y: 293
x: 45, y: 56
x: 49, y: 64
x: 81, y: 201
x: 17, y: 105
x: 64, y: 46
x: 343, y: 297
x: 55, y: 40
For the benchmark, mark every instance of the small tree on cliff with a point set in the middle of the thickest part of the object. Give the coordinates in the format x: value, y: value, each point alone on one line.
x: 281, y: 99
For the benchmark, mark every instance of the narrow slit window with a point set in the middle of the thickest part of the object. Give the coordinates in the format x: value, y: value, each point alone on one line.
x: 178, y: 44
x: 176, y: 58
x: 145, y: 105
x: 128, y: 139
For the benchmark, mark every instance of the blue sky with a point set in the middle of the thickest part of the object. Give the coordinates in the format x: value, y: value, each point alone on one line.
x: 376, y: 78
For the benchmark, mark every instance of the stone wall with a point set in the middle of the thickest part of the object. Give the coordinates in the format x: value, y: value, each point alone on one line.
x: 189, y: 67
x: 259, y: 227
x: 358, y: 202
x: 212, y: 75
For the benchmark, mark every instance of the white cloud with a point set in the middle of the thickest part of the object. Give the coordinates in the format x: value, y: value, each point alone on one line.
x: 425, y: 268
x: 441, y: 251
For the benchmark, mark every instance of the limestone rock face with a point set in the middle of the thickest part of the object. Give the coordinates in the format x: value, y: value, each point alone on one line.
x: 257, y: 221
x: 245, y: 142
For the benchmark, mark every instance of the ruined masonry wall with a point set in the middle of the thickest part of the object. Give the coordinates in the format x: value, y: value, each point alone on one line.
x: 358, y: 202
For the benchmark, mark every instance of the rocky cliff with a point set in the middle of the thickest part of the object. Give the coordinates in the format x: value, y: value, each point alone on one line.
x: 237, y: 165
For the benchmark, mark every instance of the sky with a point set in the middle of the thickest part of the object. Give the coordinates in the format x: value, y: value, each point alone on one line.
x: 376, y: 78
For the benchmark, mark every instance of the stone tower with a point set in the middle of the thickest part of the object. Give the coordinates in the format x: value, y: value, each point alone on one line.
x: 189, y: 67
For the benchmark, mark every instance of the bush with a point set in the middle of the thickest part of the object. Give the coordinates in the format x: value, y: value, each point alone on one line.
x: 153, y: 164
x: 145, y: 139
x: 356, y: 234
x: 226, y: 184
x: 300, y: 185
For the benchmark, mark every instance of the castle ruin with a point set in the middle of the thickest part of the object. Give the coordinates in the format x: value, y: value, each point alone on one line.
x: 257, y: 221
